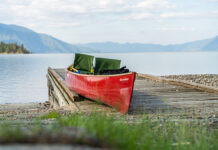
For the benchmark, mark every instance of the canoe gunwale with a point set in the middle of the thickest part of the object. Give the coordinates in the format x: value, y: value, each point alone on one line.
x: 79, y: 74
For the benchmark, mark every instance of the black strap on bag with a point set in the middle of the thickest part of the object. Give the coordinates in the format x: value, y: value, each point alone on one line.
x: 114, y: 71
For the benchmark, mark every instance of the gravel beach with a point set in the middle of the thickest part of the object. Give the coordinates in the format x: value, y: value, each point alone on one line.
x: 22, y: 111
x: 203, y: 79
x: 15, y: 115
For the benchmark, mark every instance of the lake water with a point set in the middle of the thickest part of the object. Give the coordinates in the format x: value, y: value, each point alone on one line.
x: 23, y: 77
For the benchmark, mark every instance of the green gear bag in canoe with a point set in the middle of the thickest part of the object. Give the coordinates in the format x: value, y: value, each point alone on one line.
x: 106, y: 64
x: 83, y: 62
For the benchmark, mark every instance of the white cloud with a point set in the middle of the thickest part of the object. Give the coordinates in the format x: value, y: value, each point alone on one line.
x: 88, y: 16
x: 138, y: 16
x: 47, y: 7
x: 210, y: 0
x: 154, y: 4
x: 177, y: 14
x: 214, y: 14
x: 61, y: 12
x: 189, y: 15
x: 64, y: 25
x: 175, y: 29
x: 78, y: 11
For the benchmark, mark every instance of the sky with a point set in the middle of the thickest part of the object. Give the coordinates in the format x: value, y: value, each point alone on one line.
x: 141, y: 21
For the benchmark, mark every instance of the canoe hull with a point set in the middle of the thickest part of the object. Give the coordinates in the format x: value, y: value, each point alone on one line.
x: 113, y: 90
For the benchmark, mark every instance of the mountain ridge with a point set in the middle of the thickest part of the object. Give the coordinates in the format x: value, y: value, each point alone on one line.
x: 35, y: 42
x: 43, y: 43
x: 210, y: 44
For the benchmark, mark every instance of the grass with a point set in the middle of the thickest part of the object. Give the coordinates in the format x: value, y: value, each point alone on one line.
x: 8, y: 133
x: 146, y: 134
x: 51, y: 115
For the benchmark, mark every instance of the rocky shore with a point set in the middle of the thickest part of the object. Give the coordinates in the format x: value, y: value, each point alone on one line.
x: 203, y: 79
x: 26, y: 111
x: 25, y: 116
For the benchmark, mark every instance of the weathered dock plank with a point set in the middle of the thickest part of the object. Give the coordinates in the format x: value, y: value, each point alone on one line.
x: 152, y: 94
x: 180, y: 83
x: 59, y: 94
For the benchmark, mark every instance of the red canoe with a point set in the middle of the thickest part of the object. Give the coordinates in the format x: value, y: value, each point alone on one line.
x: 114, y: 90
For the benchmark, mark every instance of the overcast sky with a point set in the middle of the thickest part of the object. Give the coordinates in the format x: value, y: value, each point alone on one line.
x: 144, y: 21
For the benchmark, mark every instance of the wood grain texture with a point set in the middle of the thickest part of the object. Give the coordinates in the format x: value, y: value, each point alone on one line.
x: 58, y: 96
x: 62, y: 83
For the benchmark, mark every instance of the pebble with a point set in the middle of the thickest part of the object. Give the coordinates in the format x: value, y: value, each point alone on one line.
x: 203, y: 79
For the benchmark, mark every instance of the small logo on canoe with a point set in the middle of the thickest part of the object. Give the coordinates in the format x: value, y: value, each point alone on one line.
x: 124, y: 79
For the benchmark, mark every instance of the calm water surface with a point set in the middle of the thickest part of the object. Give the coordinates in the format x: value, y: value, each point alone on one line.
x: 23, y: 77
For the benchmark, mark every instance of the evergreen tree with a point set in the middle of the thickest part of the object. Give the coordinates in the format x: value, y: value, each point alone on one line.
x: 12, y: 48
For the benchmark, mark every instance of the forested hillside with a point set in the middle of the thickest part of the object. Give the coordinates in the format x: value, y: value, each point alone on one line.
x: 12, y: 48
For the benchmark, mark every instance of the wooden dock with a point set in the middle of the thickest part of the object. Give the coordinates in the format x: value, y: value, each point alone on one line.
x: 151, y: 95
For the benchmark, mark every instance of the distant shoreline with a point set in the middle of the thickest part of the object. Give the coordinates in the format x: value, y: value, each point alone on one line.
x: 16, y: 53
x: 114, y: 52
x: 13, y: 53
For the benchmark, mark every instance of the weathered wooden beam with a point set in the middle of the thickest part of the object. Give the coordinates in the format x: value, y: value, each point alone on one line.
x: 57, y: 93
x: 179, y: 83
x: 67, y: 98
x: 72, y: 95
x: 57, y: 96
x: 53, y: 102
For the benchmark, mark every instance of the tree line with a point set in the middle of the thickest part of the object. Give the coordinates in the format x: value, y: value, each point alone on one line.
x: 12, y: 48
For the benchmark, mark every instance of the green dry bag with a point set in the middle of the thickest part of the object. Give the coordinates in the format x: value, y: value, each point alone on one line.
x: 106, y: 64
x: 83, y: 62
